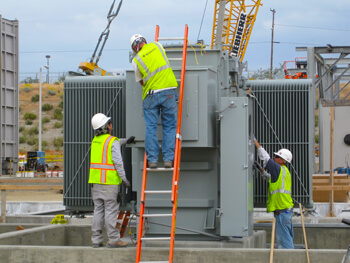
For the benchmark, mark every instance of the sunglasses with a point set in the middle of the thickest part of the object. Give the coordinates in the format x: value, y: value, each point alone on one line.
x: 276, y: 156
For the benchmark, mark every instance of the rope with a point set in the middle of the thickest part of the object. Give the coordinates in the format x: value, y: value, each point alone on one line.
x: 195, y: 53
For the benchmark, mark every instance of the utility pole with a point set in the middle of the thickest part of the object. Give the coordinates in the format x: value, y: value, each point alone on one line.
x: 48, y: 70
x: 273, y: 28
x: 40, y: 81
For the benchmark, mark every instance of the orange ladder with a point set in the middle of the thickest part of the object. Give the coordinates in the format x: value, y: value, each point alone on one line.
x: 123, y: 216
x: 175, y: 170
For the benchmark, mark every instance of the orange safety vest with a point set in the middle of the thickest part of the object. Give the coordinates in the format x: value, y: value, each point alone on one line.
x: 102, y: 170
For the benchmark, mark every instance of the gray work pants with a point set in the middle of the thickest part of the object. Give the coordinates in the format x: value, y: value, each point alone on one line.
x: 106, y: 211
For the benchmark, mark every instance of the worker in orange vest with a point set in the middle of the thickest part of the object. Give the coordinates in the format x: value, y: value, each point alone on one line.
x: 106, y: 175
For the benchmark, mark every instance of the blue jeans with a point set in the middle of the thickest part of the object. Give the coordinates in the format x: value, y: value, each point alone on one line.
x: 161, y: 103
x: 284, y: 230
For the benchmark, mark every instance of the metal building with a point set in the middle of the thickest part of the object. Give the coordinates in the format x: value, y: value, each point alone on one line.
x: 9, y: 110
x: 328, y: 68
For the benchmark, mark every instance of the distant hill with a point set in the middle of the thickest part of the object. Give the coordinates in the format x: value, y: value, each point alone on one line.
x: 52, y: 117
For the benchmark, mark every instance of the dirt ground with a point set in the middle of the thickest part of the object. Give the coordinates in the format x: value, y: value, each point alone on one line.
x: 33, y: 196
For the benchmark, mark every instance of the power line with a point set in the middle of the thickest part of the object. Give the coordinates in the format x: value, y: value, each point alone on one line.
x: 68, y: 51
x: 283, y: 42
x: 310, y: 27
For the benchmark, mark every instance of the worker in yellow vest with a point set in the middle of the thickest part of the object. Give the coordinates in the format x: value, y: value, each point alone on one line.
x: 153, y: 71
x: 106, y: 175
x: 279, y: 200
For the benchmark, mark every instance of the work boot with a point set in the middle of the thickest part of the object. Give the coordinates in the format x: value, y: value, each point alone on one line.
x: 168, y: 164
x: 97, y: 245
x: 117, y: 244
x: 152, y: 165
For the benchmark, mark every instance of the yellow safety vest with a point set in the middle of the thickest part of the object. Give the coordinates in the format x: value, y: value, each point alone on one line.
x: 102, y: 170
x: 280, y: 192
x: 155, y: 68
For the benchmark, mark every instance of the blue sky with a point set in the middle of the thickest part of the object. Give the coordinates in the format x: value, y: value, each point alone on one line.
x: 69, y: 30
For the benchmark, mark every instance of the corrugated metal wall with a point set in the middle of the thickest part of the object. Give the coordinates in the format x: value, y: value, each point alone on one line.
x: 9, y: 95
x: 284, y: 118
x: 84, y: 97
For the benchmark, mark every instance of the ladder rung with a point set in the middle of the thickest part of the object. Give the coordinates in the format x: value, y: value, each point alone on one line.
x: 174, y: 59
x: 155, y: 238
x: 157, y: 215
x: 158, y: 192
x: 161, y: 169
x: 154, y: 261
x: 171, y: 38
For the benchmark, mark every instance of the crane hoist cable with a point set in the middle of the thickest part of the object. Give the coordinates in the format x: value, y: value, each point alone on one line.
x: 89, y: 67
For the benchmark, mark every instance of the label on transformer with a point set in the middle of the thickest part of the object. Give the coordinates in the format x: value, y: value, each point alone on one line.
x: 239, y: 34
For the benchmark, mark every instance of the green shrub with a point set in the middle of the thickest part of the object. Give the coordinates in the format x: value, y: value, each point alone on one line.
x: 47, y: 107
x: 61, y: 96
x: 58, y: 125
x: 22, y: 139
x: 44, y: 143
x: 21, y: 129
x: 316, y: 120
x: 58, y: 142
x: 29, y: 116
x: 45, y: 120
x: 26, y: 89
x: 316, y: 138
x: 58, y: 115
x: 33, y: 130
x: 32, y: 141
x: 35, y: 98
x: 60, y: 105
x: 51, y: 92
x: 29, y: 122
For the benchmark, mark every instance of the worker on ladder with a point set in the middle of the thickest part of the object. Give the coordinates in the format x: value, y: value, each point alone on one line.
x: 106, y: 175
x: 279, y: 200
x: 153, y: 71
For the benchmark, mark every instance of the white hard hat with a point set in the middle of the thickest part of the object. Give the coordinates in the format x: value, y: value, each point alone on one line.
x: 98, y: 120
x: 135, y: 40
x: 285, y: 154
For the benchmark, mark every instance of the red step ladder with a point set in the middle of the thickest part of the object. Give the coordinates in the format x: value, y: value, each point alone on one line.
x: 175, y: 170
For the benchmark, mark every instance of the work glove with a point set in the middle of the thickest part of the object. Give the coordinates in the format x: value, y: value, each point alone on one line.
x: 127, y: 183
x: 131, y: 139
x: 258, y: 166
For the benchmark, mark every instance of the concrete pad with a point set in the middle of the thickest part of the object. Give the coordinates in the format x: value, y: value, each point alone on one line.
x: 37, y: 254
x: 21, y: 208
x: 319, y: 236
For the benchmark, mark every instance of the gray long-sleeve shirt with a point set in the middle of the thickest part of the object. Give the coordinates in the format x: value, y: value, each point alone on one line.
x: 117, y: 158
x: 269, y: 164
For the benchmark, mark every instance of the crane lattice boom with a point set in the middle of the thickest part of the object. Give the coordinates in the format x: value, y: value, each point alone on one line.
x: 232, y: 25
